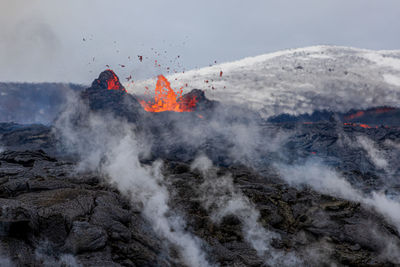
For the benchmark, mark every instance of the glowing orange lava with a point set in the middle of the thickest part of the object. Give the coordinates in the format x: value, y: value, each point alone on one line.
x: 371, y: 111
x: 167, y: 100
x: 113, y: 83
x: 366, y: 126
x: 355, y: 115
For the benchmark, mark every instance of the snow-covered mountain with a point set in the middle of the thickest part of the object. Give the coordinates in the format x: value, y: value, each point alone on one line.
x: 299, y: 80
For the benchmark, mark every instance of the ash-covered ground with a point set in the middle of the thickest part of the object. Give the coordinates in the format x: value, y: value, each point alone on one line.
x: 109, y: 184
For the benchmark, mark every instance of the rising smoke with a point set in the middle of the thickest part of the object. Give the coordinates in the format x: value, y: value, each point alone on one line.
x: 327, y: 181
x: 111, y: 147
x: 221, y: 198
x: 376, y: 156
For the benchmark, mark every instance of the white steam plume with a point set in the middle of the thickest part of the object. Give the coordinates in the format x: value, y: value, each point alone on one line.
x: 327, y: 181
x: 110, y: 146
x: 376, y: 156
x: 221, y: 198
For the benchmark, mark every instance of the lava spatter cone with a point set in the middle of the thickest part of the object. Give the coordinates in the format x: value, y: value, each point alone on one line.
x: 108, y: 80
x: 107, y: 94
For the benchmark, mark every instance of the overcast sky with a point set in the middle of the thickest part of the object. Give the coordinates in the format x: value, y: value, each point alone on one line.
x: 43, y: 40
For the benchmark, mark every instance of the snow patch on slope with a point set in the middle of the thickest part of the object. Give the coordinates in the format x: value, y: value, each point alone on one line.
x: 298, y: 80
x: 392, y: 79
x: 382, y: 60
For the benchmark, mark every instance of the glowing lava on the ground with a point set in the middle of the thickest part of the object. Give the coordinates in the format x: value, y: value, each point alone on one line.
x: 355, y: 115
x: 371, y: 111
x: 362, y: 125
x: 113, y: 82
x: 167, y: 99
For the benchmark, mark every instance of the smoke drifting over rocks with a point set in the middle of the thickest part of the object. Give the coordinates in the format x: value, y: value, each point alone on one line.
x: 327, y: 181
x: 110, y: 184
x: 110, y: 146
x: 220, y: 197
x: 373, y: 152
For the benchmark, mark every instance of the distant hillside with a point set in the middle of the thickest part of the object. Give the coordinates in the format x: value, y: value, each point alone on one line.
x: 300, y: 80
x: 32, y: 102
